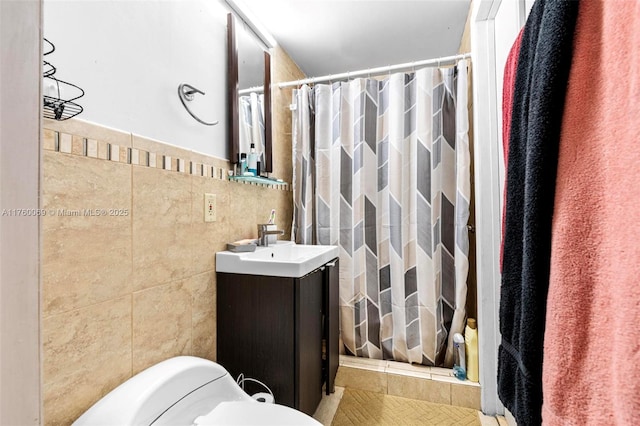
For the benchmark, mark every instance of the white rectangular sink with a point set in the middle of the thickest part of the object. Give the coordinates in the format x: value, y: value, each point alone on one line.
x: 284, y: 259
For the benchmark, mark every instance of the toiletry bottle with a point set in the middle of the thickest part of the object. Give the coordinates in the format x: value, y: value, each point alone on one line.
x: 471, y: 346
x: 242, y: 164
x: 252, y: 160
x: 459, y: 367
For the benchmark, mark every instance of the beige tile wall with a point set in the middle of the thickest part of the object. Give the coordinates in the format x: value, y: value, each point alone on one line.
x: 282, y: 69
x: 128, y: 289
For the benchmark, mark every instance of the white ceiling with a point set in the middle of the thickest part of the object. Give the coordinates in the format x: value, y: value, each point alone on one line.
x: 334, y: 36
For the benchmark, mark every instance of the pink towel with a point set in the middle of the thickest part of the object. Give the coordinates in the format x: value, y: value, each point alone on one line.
x: 591, y: 369
x: 508, y: 86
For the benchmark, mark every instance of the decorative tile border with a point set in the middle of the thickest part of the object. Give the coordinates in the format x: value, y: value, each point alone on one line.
x: 85, y: 147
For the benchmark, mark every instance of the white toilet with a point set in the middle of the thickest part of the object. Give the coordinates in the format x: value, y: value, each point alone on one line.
x: 186, y: 391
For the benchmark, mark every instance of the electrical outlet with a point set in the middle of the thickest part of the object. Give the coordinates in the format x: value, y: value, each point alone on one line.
x: 209, y: 207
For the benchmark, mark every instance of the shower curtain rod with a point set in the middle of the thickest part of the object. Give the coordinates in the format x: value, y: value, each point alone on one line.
x: 258, y: 89
x: 376, y: 71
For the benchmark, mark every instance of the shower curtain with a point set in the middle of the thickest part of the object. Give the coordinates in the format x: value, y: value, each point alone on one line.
x: 381, y: 169
x: 251, y: 118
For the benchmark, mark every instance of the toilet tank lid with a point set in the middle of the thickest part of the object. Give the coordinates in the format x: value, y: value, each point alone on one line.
x: 145, y: 396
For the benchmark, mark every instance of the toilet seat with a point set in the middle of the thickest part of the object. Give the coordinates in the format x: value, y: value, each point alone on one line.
x: 241, y: 413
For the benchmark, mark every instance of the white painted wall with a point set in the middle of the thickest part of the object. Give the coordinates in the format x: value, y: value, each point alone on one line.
x: 20, y: 100
x: 130, y: 56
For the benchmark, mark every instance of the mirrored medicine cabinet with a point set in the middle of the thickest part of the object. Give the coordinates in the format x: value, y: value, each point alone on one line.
x: 249, y: 81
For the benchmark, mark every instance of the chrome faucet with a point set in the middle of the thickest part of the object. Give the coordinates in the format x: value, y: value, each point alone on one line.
x: 263, y: 234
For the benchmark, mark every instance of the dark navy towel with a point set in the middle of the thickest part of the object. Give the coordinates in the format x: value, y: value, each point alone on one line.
x: 538, y: 102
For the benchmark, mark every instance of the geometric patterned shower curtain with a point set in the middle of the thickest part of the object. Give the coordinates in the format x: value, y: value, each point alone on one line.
x: 381, y: 169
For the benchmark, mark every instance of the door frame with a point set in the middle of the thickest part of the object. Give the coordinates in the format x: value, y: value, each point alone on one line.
x: 20, y: 202
x: 488, y: 191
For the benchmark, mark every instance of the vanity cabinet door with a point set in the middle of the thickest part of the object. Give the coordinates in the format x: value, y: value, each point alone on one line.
x: 271, y: 329
x: 255, y: 330
x: 309, y: 342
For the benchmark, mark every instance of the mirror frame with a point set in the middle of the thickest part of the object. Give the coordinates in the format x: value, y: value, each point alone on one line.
x: 232, y: 92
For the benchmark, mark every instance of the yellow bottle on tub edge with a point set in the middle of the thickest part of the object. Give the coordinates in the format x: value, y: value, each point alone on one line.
x: 471, y: 349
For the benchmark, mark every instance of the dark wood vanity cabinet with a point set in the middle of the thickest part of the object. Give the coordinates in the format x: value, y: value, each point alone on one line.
x: 272, y: 329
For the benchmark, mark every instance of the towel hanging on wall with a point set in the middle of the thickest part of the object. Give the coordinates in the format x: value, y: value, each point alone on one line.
x: 590, y: 370
x: 543, y: 66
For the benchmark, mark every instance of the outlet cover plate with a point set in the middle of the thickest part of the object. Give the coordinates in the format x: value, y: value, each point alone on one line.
x: 209, y: 207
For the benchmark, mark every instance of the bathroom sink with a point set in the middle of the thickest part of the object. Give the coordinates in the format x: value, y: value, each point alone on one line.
x: 284, y: 259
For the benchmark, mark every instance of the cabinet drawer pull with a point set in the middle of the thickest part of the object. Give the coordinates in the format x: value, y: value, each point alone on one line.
x: 331, y: 264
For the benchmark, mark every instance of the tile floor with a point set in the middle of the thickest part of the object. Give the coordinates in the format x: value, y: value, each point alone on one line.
x: 432, y: 384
